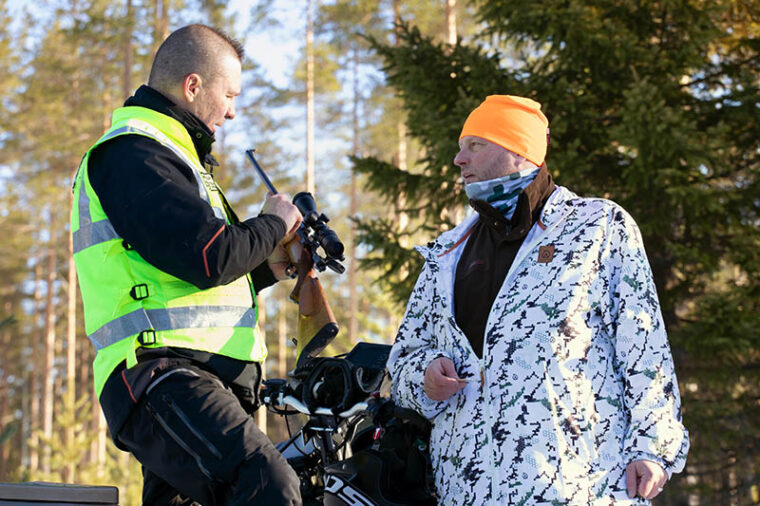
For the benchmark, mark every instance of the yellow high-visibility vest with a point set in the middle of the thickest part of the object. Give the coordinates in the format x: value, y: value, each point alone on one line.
x: 127, y: 301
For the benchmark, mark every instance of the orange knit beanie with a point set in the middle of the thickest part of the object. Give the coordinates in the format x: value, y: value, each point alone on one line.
x: 514, y: 123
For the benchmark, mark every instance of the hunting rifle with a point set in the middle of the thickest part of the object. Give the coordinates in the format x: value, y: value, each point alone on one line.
x: 317, y: 326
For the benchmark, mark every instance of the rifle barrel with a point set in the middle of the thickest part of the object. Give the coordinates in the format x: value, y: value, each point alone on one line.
x: 261, y: 172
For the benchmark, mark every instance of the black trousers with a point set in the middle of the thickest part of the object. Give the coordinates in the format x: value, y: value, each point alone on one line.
x: 194, y: 439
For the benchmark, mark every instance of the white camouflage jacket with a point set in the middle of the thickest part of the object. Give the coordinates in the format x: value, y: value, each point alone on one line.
x: 576, y: 379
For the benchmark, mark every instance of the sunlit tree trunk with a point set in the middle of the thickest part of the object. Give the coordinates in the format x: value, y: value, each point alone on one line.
x: 396, y: 211
x: 401, y: 124
x: 36, y: 371
x: 26, y: 401
x: 456, y: 212
x: 5, y: 339
x: 401, y: 218
x: 84, y: 366
x: 310, y: 183
x: 100, y: 455
x: 261, y: 413
x: 282, y: 343
x: 353, y: 302
x: 160, y: 23
x: 48, y: 354
x: 129, y: 23
x: 278, y: 432
x: 451, y: 22
x: 71, y: 347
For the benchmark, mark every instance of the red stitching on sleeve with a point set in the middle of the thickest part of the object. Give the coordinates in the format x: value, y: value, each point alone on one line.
x: 205, y: 248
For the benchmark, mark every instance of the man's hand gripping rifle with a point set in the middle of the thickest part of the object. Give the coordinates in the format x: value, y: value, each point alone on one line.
x: 317, y: 326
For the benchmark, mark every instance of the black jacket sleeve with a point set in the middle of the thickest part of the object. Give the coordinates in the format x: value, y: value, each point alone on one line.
x: 154, y: 203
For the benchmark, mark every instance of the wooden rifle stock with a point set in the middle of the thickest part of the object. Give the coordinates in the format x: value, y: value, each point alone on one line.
x: 316, y: 323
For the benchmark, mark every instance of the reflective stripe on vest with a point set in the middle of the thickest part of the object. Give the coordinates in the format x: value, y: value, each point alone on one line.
x: 174, y: 318
x: 89, y: 233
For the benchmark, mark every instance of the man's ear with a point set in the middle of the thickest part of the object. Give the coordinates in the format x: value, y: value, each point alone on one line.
x: 191, y: 86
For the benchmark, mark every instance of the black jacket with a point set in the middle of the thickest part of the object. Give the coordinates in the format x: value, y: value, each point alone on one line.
x: 151, y: 198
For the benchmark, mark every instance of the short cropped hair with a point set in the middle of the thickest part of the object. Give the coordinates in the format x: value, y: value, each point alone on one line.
x: 191, y: 49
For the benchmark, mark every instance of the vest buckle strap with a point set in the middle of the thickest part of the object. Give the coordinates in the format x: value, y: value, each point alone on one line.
x: 147, y: 337
x: 139, y: 292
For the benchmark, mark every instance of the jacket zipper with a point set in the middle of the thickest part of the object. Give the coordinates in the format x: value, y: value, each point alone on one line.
x: 523, y: 252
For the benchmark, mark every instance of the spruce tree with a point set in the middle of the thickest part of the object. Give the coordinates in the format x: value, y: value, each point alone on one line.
x: 652, y: 104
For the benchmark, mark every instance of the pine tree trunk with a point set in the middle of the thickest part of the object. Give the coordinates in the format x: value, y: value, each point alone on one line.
x: 401, y: 125
x: 129, y: 27
x: 261, y: 413
x: 85, y: 385
x: 26, y: 400
x: 401, y: 219
x: 5, y: 341
x: 310, y: 183
x: 84, y: 362
x: 49, y: 356
x: 71, y: 348
x: 451, y: 22
x: 282, y: 362
x: 97, y: 453
x: 456, y: 212
x: 160, y: 23
x: 282, y: 343
x: 100, y: 455
x: 353, y: 301
x: 58, y: 379
x: 34, y: 374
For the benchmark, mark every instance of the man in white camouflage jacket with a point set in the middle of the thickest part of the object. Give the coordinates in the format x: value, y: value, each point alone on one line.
x: 534, y: 341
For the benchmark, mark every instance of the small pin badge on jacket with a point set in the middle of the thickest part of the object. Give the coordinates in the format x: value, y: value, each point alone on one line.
x: 545, y: 254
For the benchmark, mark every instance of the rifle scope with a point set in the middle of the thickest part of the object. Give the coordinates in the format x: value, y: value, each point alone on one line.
x: 323, y: 234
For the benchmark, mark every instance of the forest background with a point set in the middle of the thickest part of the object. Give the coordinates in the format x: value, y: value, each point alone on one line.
x: 653, y: 104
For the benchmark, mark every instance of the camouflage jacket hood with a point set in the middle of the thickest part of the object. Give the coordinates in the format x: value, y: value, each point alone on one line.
x: 576, y: 379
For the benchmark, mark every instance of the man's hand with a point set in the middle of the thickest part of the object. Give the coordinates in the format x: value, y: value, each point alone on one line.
x: 442, y: 380
x: 280, y: 206
x: 283, y: 256
x: 288, y: 250
x: 645, y: 478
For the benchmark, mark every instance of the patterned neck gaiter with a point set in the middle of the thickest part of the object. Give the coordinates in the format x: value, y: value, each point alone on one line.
x: 502, y: 192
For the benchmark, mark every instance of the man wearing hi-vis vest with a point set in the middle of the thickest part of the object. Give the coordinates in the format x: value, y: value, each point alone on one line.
x: 169, y: 277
